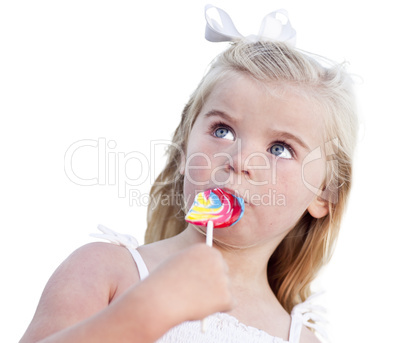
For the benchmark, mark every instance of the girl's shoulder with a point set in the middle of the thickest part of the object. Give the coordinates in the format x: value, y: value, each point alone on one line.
x: 84, y: 283
x: 105, y: 270
x: 105, y: 264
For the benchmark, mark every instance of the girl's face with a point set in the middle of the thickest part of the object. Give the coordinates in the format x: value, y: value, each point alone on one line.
x: 260, y: 147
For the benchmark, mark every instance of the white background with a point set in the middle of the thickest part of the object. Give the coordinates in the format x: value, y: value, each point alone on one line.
x: 122, y: 71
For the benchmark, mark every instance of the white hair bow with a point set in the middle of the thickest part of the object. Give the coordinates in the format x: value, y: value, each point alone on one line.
x: 221, y: 27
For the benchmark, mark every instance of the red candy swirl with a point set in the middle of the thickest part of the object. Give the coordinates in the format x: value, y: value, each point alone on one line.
x: 218, y: 206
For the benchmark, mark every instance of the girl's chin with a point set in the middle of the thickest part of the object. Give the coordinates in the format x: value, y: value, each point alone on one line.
x: 242, y: 236
x: 236, y: 236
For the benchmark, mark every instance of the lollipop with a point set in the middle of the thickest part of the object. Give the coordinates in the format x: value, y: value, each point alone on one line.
x: 215, y: 208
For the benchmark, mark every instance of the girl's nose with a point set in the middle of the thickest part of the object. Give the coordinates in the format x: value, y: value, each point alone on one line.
x: 231, y: 167
x: 247, y: 161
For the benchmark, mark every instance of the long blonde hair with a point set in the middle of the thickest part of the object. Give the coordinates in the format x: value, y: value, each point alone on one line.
x: 309, y: 245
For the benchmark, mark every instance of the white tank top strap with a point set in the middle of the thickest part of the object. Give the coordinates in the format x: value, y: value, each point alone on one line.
x: 139, y: 261
x: 302, y: 314
x: 127, y: 241
x: 295, y: 328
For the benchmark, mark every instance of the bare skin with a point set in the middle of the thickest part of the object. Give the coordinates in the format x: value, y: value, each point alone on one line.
x: 96, y: 296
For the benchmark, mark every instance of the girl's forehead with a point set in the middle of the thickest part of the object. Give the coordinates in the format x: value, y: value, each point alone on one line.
x: 240, y: 83
x: 271, y: 105
x: 242, y: 93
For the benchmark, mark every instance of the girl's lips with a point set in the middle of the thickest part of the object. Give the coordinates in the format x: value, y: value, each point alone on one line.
x: 235, y: 193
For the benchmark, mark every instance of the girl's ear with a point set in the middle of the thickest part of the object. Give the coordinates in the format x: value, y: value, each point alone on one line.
x: 318, y: 208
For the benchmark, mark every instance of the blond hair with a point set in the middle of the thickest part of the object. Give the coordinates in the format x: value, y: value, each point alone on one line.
x: 309, y: 245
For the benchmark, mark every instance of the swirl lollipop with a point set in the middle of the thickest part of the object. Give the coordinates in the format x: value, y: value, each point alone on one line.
x: 215, y: 208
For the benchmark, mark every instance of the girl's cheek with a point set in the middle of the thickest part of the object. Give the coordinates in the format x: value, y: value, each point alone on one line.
x: 196, y: 176
x: 313, y: 174
x: 287, y: 183
x: 198, y: 168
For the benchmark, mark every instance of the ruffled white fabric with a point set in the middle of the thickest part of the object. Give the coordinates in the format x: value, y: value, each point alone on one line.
x: 310, y: 315
x: 115, y: 237
x: 222, y: 327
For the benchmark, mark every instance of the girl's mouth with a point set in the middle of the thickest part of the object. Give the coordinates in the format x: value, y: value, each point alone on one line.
x: 236, y: 193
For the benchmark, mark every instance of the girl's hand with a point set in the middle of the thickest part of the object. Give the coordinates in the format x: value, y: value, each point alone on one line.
x: 193, y: 283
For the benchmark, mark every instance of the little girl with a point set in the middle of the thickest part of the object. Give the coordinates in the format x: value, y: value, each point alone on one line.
x: 267, y: 123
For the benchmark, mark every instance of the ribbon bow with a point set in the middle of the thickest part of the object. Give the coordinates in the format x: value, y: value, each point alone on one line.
x: 272, y: 27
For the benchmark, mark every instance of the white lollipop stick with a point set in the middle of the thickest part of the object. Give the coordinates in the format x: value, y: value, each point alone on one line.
x: 210, y: 233
x: 210, y: 236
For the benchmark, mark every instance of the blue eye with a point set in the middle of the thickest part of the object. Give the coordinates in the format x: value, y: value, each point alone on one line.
x: 223, y: 132
x: 281, y: 150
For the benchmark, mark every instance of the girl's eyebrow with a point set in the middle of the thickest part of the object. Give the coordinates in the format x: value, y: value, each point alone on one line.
x: 217, y: 113
x: 288, y: 135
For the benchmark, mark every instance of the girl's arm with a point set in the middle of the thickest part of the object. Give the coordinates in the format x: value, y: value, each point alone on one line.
x: 79, y: 302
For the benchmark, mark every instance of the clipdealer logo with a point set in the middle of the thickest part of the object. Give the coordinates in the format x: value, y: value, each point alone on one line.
x: 115, y: 168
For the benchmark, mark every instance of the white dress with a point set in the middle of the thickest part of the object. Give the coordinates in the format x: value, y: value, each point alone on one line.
x: 221, y: 327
